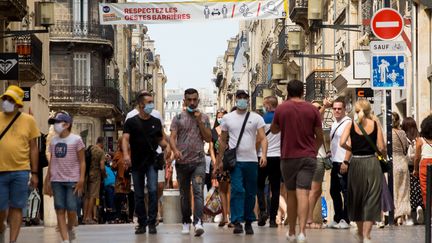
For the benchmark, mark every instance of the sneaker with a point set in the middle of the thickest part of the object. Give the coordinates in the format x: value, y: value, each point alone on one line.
x: 420, y: 216
x: 409, y: 222
x: 290, y: 238
x: 301, y: 238
x: 380, y: 225
x: 72, y: 235
x: 199, y: 229
x: 141, y: 229
x: 248, y: 228
x: 186, y: 228
x: 238, y: 228
x: 366, y: 240
x: 273, y: 224
x: 152, y: 229
x: 262, y: 219
x: 343, y: 224
x: 333, y: 225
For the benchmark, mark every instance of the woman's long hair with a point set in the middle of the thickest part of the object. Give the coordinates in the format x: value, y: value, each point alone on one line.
x: 409, y: 125
x: 364, y: 110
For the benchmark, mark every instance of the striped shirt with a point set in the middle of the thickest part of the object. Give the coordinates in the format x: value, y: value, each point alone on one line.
x: 65, y: 165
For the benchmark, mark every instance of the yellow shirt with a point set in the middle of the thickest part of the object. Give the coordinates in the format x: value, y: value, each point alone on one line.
x: 15, y: 144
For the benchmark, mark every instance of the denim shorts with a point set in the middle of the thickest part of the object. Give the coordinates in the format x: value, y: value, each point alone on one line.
x: 13, y: 189
x: 64, y: 197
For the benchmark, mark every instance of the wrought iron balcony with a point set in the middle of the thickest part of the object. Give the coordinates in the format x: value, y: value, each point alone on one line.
x: 282, y: 44
x: 65, y: 29
x: 13, y: 10
x: 93, y: 97
x: 318, y: 84
x: 29, y: 49
x: 298, y: 11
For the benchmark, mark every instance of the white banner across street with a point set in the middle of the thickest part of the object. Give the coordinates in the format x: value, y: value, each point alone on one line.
x: 174, y: 12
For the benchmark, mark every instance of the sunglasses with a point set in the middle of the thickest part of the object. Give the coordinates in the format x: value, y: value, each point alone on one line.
x: 337, y: 109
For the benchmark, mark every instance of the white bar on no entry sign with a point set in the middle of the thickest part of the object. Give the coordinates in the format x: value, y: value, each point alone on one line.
x: 386, y: 24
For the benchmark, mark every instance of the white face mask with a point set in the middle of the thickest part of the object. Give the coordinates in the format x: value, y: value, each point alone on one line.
x: 8, y: 106
x: 59, y: 128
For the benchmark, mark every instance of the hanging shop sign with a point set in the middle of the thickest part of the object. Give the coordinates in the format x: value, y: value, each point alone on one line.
x: 172, y: 12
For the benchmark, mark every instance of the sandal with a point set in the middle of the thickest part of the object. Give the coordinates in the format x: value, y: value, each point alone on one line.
x: 230, y: 225
x: 316, y: 226
x: 222, y: 224
x: 309, y: 225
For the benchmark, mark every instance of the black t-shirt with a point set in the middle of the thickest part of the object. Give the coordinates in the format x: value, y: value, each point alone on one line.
x: 141, y: 133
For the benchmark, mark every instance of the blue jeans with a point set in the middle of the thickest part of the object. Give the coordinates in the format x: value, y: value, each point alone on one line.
x: 64, y: 197
x: 244, y: 179
x: 13, y: 189
x: 139, y: 184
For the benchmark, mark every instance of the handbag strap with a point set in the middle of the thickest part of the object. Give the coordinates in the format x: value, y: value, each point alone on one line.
x: 10, y: 124
x: 334, y: 133
x: 268, y: 132
x: 405, y: 150
x: 242, y: 129
x: 369, y: 140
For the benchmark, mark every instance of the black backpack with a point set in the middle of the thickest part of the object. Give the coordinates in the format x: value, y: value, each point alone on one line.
x: 88, y: 158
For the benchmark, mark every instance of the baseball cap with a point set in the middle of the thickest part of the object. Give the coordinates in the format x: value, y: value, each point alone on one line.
x: 60, y: 117
x: 242, y: 91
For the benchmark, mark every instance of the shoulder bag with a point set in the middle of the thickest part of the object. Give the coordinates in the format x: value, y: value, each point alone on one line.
x: 230, y: 155
x: 10, y: 124
x: 385, y: 167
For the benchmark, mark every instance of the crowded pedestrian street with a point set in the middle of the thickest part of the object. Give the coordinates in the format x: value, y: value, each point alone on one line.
x: 214, y: 234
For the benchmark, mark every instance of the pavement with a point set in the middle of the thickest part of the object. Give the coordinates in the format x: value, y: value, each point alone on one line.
x: 213, y: 234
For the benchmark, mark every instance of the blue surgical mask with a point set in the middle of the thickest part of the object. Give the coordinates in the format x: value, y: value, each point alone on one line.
x: 190, y: 110
x: 148, y: 108
x: 219, y: 120
x: 242, y: 104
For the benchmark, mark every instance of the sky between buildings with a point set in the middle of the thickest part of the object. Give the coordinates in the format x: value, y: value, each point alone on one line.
x: 189, y: 50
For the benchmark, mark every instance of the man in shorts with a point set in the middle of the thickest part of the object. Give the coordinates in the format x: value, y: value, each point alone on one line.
x: 19, y: 155
x: 301, y: 135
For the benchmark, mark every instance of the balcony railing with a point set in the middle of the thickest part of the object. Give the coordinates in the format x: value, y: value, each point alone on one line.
x: 298, y: 10
x: 13, y: 10
x: 88, y: 94
x: 29, y: 49
x: 282, y: 44
x: 73, y: 29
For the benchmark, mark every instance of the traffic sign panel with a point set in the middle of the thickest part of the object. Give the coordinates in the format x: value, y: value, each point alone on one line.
x: 387, y: 24
x: 388, y: 71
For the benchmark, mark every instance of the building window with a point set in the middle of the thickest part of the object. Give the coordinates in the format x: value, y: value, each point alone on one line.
x: 173, y: 115
x: 167, y: 116
x: 80, y: 17
x: 81, y: 69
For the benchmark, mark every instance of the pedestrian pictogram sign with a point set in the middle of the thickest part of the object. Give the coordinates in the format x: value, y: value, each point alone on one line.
x: 387, y: 24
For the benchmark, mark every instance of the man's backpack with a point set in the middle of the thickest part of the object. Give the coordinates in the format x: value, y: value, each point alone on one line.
x: 88, y: 158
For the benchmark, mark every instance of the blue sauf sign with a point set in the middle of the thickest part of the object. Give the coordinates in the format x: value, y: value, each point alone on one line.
x: 388, y: 71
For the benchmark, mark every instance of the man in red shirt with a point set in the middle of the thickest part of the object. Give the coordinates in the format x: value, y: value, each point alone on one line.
x: 301, y: 136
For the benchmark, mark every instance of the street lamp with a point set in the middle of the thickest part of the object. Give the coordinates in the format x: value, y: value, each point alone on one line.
x: 44, y: 16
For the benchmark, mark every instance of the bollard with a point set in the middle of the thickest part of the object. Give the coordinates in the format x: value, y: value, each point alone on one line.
x: 428, y: 203
x: 171, y: 206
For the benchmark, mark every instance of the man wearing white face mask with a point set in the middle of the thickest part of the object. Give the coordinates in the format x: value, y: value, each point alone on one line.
x: 244, y: 176
x: 143, y: 133
x: 18, y: 156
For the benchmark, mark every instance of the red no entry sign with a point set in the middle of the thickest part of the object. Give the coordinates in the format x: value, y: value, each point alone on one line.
x: 387, y: 24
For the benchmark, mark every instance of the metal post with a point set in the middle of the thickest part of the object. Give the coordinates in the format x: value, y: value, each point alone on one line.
x: 389, y: 137
x: 389, y: 148
x: 428, y: 204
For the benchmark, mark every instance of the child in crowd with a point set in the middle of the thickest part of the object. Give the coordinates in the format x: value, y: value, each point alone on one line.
x: 66, y: 172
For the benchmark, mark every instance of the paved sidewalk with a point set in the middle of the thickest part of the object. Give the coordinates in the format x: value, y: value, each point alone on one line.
x: 171, y: 234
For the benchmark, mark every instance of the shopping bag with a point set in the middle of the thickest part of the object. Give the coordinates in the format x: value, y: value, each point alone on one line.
x: 213, y: 203
x: 33, y: 208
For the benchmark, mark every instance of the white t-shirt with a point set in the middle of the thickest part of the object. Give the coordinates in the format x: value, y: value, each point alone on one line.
x: 273, y: 140
x: 154, y: 113
x: 337, y: 152
x: 232, y: 123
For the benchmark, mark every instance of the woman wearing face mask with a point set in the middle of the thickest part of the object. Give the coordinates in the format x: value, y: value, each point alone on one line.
x: 223, y: 177
x: 66, y: 172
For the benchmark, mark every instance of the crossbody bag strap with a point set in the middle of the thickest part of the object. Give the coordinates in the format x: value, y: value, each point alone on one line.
x: 405, y: 150
x: 242, y: 129
x: 268, y: 132
x: 334, y: 133
x: 369, y: 140
x: 10, y: 124
x: 424, y: 139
